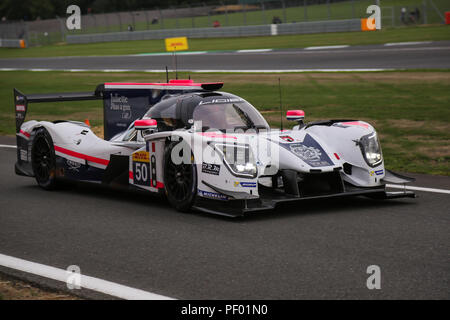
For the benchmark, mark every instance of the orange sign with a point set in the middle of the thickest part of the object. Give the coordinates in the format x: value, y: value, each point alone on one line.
x: 368, y: 24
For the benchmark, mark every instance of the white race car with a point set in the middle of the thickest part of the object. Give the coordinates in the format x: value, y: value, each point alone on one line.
x: 203, y: 149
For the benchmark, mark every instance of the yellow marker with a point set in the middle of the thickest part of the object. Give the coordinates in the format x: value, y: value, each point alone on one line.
x: 176, y: 44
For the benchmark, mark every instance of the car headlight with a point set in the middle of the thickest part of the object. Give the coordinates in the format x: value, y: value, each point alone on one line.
x: 371, y: 149
x: 238, y: 158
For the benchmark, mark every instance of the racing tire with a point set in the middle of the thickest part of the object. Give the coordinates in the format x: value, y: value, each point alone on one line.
x: 43, y: 159
x: 180, y: 180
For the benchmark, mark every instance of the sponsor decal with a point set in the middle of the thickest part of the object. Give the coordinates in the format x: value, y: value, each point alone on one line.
x: 72, y: 165
x: 306, y: 153
x: 227, y: 100
x: 20, y: 108
x: 211, y: 168
x: 378, y: 172
x: 212, y: 195
x: 287, y: 138
x: 141, y: 156
x: 248, y: 184
x: 120, y: 103
x: 23, y: 155
x: 309, y: 151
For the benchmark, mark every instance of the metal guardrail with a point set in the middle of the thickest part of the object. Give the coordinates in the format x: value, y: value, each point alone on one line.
x: 12, y: 43
x: 243, y: 31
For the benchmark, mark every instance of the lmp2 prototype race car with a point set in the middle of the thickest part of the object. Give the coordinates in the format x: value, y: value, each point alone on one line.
x: 202, y: 149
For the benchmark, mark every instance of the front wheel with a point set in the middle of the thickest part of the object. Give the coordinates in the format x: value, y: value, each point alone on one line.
x: 43, y: 159
x: 180, y: 179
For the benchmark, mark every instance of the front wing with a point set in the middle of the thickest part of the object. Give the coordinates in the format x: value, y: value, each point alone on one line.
x: 269, y: 199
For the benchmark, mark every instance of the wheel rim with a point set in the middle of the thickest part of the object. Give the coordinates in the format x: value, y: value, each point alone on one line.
x: 42, y: 160
x: 179, y: 180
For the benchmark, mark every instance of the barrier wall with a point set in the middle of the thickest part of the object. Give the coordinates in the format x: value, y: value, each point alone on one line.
x: 12, y: 43
x: 223, y: 32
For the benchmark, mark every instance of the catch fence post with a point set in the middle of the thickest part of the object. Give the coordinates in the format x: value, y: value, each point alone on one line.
x: 120, y: 21
x: 244, y: 12
x: 305, y: 10
x: 161, y: 18
x: 328, y: 10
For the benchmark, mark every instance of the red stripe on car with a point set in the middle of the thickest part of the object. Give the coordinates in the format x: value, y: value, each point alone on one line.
x: 26, y: 134
x: 82, y: 156
x: 356, y: 123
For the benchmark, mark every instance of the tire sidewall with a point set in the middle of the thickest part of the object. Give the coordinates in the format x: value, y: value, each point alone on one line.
x: 50, y: 183
x: 186, y: 204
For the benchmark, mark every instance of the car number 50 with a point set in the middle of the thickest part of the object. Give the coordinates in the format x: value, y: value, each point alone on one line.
x: 141, y: 173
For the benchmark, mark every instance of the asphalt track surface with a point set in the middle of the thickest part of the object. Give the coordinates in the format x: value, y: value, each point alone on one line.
x: 432, y: 55
x: 314, y: 250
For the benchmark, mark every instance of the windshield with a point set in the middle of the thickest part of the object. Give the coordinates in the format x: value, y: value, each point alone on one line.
x: 226, y: 116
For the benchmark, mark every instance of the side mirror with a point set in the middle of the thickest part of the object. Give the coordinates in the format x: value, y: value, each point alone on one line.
x: 146, y: 124
x: 296, y: 115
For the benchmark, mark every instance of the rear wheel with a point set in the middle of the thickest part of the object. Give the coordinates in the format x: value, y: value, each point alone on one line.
x: 43, y: 159
x: 180, y: 180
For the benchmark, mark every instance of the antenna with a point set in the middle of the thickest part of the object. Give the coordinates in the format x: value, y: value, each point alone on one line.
x: 167, y: 75
x: 175, y: 62
x: 281, y: 105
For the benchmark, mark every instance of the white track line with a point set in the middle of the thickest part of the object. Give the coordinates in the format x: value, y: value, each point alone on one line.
x: 327, y: 47
x: 291, y: 70
x: 418, y: 188
x: 7, y: 146
x: 253, y: 50
x: 91, y: 283
x: 410, y: 43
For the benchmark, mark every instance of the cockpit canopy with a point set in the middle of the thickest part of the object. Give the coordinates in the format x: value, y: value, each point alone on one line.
x: 208, y: 111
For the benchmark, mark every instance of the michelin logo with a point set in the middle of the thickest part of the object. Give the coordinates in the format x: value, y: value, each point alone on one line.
x: 212, y: 195
x: 248, y: 184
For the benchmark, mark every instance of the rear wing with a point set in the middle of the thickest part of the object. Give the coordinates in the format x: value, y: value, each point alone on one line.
x: 21, y: 101
x: 122, y: 102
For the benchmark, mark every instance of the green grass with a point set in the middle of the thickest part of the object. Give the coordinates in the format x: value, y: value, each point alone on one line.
x: 421, y: 33
x: 409, y: 109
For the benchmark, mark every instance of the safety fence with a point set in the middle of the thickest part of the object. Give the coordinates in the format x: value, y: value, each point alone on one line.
x: 243, y: 31
x: 224, y: 15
